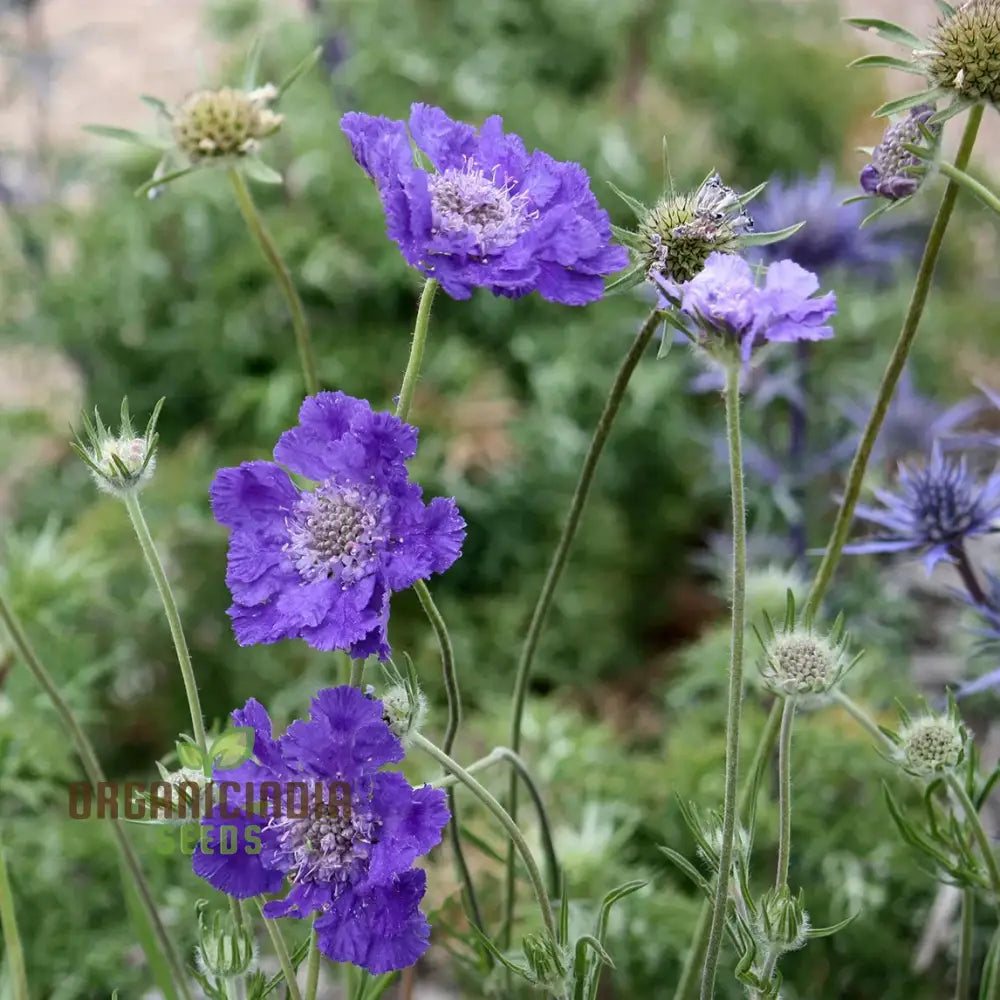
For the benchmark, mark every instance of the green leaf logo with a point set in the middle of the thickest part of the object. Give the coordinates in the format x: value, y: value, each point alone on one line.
x: 189, y: 755
x: 232, y: 748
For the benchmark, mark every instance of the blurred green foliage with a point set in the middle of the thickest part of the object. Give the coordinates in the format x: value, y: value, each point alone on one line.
x: 170, y: 298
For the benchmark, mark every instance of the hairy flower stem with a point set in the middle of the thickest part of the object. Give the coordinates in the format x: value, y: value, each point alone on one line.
x: 862, y: 718
x: 13, y: 952
x: 735, y: 698
x: 454, y: 721
x: 845, y: 514
x: 555, y: 570
x: 516, y: 837
x: 312, y: 969
x: 173, y: 616
x: 95, y: 775
x: 281, y: 950
x: 963, y: 977
x: 417, y: 345
x: 957, y: 787
x: 785, y: 792
x: 921, y: 289
x: 983, y: 193
x: 303, y: 341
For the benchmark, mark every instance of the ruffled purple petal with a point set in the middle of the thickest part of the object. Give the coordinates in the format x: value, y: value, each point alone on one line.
x: 231, y: 858
x: 254, y: 496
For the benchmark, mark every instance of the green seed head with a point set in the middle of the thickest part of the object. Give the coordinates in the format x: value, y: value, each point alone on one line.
x: 932, y: 745
x: 965, y: 52
x: 801, y: 663
x: 227, y: 123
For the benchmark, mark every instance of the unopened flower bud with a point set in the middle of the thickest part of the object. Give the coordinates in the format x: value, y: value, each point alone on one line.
x: 226, y: 123
x: 965, y: 52
x: 122, y: 463
x: 783, y: 920
x: 548, y: 966
x: 895, y: 172
x: 224, y: 950
x: 404, y: 710
x: 932, y: 745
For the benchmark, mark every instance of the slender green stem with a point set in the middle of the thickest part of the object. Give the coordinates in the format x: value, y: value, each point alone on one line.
x: 454, y: 696
x: 687, y: 983
x: 416, y: 349
x: 517, y: 838
x: 449, y: 780
x: 785, y: 792
x: 960, y: 177
x: 95, y: 776
x: 862, y: 718
x: 16, y: 970
x: 735, y: 697
x: 312, y: 969
x: 357, y: 669
x: 963, y: 977
x: 555, y: 570
x: 281, y: 950
x: 173, y: 616
x: 307, y: 359
x: 979, y: 834
x: 901, y: 351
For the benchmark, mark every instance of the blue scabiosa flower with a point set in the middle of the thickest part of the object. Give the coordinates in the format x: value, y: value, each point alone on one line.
x: 314, y: 806
x: 320, y: 565
x: 490, y: 214
x: 937, y: 506
x: 732, y: 314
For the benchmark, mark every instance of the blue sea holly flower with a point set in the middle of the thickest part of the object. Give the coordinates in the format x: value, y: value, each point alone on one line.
x: 490, y: 214
x: 732, y: 314
x: 315, y: 807
x: 320, y: 565
x: 936, y: 506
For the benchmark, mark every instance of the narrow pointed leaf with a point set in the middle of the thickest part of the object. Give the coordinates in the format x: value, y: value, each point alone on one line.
x: 252, y: 66
x: 627, y: 281
x: 626, y: 889
x: 304, y: 66
x: 157, y: 182
x: 748, y: 196
x: 911, y: 101
x: 259, y: 171
x: 820, y: 932
x: 945, y: 8
x: 637, y: 206
x: 953, y: 109
x: 687, y: 868
x: 887, y: 30
x: 156, y: 104
x: 886, y: 62
x: 127, y: 135
x: 626, y: 237
x: 765, y: 239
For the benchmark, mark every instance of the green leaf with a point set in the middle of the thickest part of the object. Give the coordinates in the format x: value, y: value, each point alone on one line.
x: 637, y: 206
x: 748, y: 196
x: 887, y: 30
x: 155, y: 182
x: 945, y: 8
x: 666, y: 344
x: 252, y: 65
x: 628, y: 280
x: 303, y: 66
x: 259, y: 171
x: 904, y: 103
x: 232, y: 748
x: 626, y: 237
x: 156, y: 104
x: 625, y: 889
x: 886, y: 62
x: 854, y: 198
x: 953, y: 109
x: 881, y: 210
x: 687, y: 868
x: 127, y: 135
x: 190, y: 755
x: 764, y: 239
x: 820, y: 932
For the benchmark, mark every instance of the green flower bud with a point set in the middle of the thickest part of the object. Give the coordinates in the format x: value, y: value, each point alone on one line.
x: 224, y: 951
x: 224, y: 124
x: 965, y: 52
x: 932, y: 745
x: 548, y: 966
x: 783, y: 920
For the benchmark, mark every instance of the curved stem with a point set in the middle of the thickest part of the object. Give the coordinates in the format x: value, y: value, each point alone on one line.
x: 173, y: 616
x: 517, y: 838
x: 281, y: 950
x: 13, y: 952
x: 921, y: 289
x: 417, y: 345
x: 307, y: 359
x: 964, y: 567
x: 963, y: 977
x: 95, y: 775
x: 312, y: 970
x: 980, y: 835
x: 785, y: 792
x: 454, y: 720
x: 862, y: 718
x: 735, y: 698
x: 983, y: 193
x: 559, y: 557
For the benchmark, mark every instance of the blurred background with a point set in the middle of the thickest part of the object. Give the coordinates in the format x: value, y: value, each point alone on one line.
x: 104, y: 295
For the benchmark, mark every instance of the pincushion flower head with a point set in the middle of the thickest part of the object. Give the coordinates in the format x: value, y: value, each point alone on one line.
x: 488, y: 213
x: 320, y: 564
x: 315, y: 807
x: 895, y: 173
x: 935, y: 507
x: 729, y: 314
x: 674, y: 239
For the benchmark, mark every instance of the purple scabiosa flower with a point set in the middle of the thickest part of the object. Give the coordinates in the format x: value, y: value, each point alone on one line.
x: 936, y: 507
x: 894, y: 172
x: 733, y: 315
x: 490, y: 214
x: 320, y: 565
x: 314, y: 806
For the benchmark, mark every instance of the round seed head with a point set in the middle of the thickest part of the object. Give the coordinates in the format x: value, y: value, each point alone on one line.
x: 216, y: 124
x: 932, y: 745
x: 800, y: 663
x: 965, y: 57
